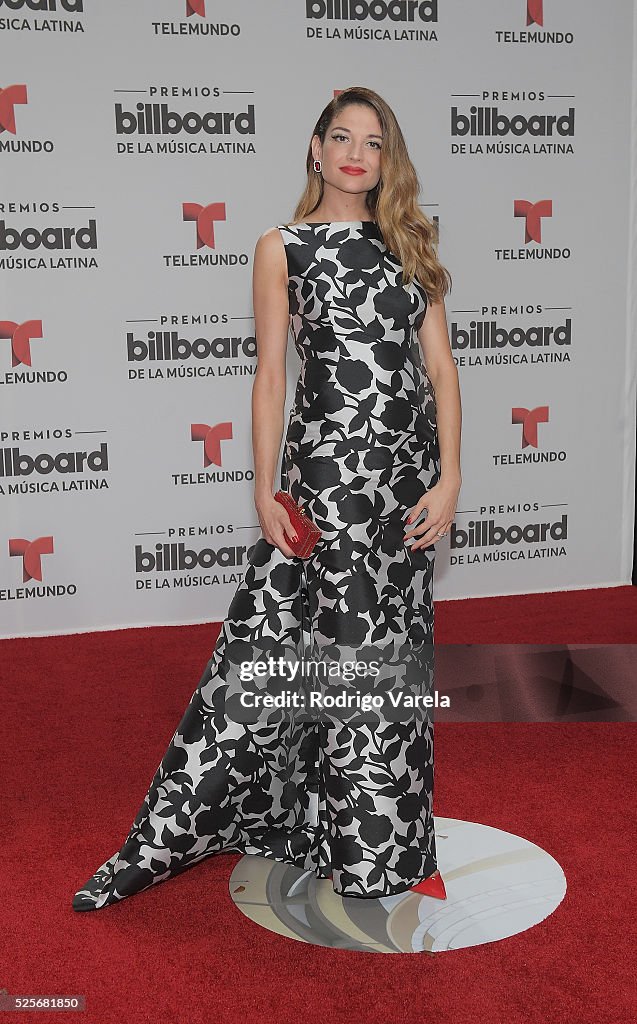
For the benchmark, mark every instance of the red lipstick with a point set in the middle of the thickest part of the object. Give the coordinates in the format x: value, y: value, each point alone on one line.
x: 352, y: 170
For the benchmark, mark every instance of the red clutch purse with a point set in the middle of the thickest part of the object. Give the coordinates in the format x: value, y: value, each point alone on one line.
x: 307, y: 531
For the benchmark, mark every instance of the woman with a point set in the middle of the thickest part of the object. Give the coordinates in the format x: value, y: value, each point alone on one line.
x: 369, y: 448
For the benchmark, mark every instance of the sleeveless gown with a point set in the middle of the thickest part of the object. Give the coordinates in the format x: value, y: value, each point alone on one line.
x: 361, y: 447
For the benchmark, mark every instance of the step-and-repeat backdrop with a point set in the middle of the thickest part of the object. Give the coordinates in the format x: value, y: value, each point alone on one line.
x: 145, y: 146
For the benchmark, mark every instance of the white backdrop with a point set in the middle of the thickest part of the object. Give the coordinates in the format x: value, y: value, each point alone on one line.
x: 99, y: 252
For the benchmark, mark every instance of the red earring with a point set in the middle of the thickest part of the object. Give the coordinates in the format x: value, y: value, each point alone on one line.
x: 317, y: 165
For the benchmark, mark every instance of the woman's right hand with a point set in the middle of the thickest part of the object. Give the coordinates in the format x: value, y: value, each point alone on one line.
x: 274, y: 519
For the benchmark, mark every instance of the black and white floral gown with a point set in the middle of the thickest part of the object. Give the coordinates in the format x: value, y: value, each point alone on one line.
x: 350, y: 801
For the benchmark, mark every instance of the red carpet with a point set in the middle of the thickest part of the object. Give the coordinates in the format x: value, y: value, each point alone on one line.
x: 607, y: 615
x: 88, y: 718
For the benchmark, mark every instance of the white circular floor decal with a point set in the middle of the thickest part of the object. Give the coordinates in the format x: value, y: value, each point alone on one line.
x: 497, y: 885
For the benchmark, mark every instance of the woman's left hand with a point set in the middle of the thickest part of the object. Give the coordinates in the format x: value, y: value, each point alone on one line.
x: 440, y: 502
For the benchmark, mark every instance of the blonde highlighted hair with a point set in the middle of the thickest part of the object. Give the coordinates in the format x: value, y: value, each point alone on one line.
x: 393, y: 203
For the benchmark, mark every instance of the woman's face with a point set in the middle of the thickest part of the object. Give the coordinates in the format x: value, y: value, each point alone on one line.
x: 350, y: 153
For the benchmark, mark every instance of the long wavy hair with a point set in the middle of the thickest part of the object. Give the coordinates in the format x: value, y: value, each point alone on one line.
x: 393, y: 203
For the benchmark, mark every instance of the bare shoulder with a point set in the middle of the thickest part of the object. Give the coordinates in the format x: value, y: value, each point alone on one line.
x: 269, y: 252
x: 270, y: 241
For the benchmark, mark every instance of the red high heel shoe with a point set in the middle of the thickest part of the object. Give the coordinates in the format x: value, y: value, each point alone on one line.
x: 432, y: 886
